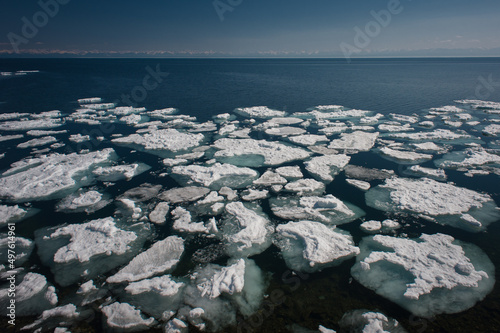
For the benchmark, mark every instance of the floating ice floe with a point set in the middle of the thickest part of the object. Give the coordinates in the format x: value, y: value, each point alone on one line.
x: 306, y: 186
x: 255, y: 153
x: 360, y: 184
x: 184, y: 194
x: 214, y: 176
x: 183, y: 222
x: 45, y: 132
x: 396, y: 127
x: 13, y: 115
x: 38, y: 142
x: 78, y: 138
x: 50, y: 176
x: 355, y: 141
x: 124, y: 317
x: 285, y: 131
x: 403, y: 156
x: 159, y: 214
x: 367, y: 174
x: 89, y: 249
x: 481, y: 105
x: 33, y: 296
x: 64, y: 315
x: 245, y: 231
x: 142, y: 193
x: 262, y: 112
x: 23, y: 248
x: 83, y: 201
x: 403, y: 118
x: 119, y: 172
x: 26, y: 125
x: 89, y: 293
x: 492, y: 130
x: 365, y: 321
x: 216, y: 292
x: 160, y: 258
x: 430, y: 275
x: 290, y: 172
x: 11, y: 137
x: 270, y: 178
x: 332, y: 112
x: 308, y: 139
x: 11, y: 214
x: 326, y: 167
x: 430, y: 147
x: 163, y: 142
x: 442, y: 202
x: 159, y: 297
x: 372, y: 226
x: 309, y: 246
x: 327, y: 209
x: 471, y: 157
x: 436, y: 135
x: 417, y: 170
x: 253, y: 194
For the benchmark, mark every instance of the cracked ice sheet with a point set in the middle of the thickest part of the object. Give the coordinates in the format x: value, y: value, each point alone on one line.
x: 430, y: 275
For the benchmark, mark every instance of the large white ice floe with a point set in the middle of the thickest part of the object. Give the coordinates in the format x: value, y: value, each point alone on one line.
x: 404, y: 156
x: 83, y: 201
x: 327, y: 209
x: 160, y: 258
x: 26, y: 125
x: 355, y: 141
x: 332, y: 112
x: 50, y: 176
x: 308, y: 139
x: 262, y: 112
x: 158, y: 297
x: 33, y: 296
x: 215, y: 292
x: 124, y: 317
x: 245, y: 231
x: 89, y: 249
x: 326, y: 167
x: 306, y: 186
x: 417, y: 170
x: 255, y: 153
x: 445, y: 203
x: 270, y: 178
x: 437, y: 135
x: 365, y: 321
x: 183, y: 222
x: 163, y: 142
x: 184, y: 194
x: 471, y: 157
x: 492, y: 130
x: 37, y: 142
x: 61, y: 316
x: 159, y: 214
x: 309, y: 246
x: 11, y: 214
x: 215, y: 176
x: 119, y: 172
x: 430, y: 275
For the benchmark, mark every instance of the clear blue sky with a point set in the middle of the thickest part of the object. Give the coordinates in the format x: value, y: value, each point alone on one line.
x: 252, y: 28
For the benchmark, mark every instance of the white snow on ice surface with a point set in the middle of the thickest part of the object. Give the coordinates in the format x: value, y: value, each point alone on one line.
x: 309, y: 246
x: 326, y: 167
x: 262, y: 112
x: 430, y: 275
x: 355, y: 141
x: 125, y: 318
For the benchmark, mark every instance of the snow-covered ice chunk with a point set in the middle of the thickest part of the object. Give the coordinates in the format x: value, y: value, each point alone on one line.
x: 83, y: 201
x: 183, y: 222
x: 9, y: 214
x: 119, y: 172
x: 252, y: 194
x: 160, y: 258
x: 89, y: 293
x: 327, y: 209
x: 163, y: 142
x: 367, y: 174
x: 371, y: 226
x: 360, y: 184
x: 214, y: 176
x: 26, y: 125
x: 175, y: 326
x: 10, y: 137
x: 88, y: 249
x: 470, y: 157
x: 33, y: 296
x: 155, y: 296
x: 355, y: 141
x: 159, y: 214
x: 245, y: 231
x: 309, y: 246
x: 430, y: 275
x: 290, y: 172
x: 23, y: 249
x: 365, y: 321
x: 62, y: 315
x: 269, y: 178
x: 326, y: 167
x: 306, y: 186
x: 184, y: 194
x: 492, y: 130
x: 37, y: 142
x: 436, y: 135
x: 403, y: 118
x: 404, y: 156
x: 285, y: 131
x: 50, y: 176
x: 126, y: 318
x: 78, y: 138
x: 254, y: 153
x: 443, y: 202
x: 308, y: 139
x: 417, y: 170
x: 262, y: 112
